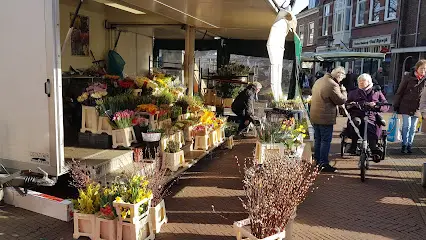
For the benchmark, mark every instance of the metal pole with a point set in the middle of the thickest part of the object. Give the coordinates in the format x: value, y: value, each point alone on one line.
x: 67, y: 38
x: 424, y: 175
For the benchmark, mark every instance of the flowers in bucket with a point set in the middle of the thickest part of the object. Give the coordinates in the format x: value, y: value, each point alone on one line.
x: 126, y: 83
x: 149, y: 108
x: 107, y: 210
x: 88, y: 201
x: 140, y: 121
x: 207, y: 117
x: 93, y: 93
x: 122, y: 119
x: 144, y: 82
x: 133, y: 190
x: 163, y: 114
x: 200, y: 130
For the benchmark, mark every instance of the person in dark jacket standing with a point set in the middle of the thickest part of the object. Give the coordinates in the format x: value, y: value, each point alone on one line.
x: 327, y: 94
x: 406, y: 102
x: 243, y: 105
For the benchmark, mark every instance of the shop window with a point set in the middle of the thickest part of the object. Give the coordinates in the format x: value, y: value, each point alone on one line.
x: 302, y: 34
x: 390, y: 9
x: 374, y: 11
x: 360, y: 10
x: 325, y: 19
x: 311, y: 33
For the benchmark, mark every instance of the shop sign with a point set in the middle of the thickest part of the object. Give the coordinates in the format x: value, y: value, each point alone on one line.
x: 372, y: 41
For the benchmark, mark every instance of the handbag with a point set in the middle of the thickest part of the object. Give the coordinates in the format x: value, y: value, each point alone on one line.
x: 394, y: 129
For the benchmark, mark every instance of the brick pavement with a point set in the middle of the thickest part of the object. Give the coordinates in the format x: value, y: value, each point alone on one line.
x: 389, y: 205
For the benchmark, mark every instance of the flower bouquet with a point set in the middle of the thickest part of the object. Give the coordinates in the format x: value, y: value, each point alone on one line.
x: 126, y: 83
x: 200, y: 130
x: 85, y: 207
x: 149, y: 108
x: 122, y: 119
x: 123, y: 133
x: 93, y: 93
x: 134, y: 199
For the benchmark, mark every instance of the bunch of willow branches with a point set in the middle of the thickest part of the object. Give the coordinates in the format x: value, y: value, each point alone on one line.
x: 273, y: 191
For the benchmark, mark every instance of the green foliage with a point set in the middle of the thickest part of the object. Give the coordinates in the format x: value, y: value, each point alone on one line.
x: 233, y: 69
x: 231, y: 128
x: 175, y: 112
x: 228, y: 90
x: 271, y: 133
x: 118, y: 103
x: 184, y: 103
x: 172, y: 147
x: 165, y: 97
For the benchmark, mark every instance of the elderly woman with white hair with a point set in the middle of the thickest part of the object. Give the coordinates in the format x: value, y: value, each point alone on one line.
x: 366, y: 93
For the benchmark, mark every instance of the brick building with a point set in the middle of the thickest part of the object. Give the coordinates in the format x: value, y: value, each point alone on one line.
x: 374, y: 28
x: 411, y: 39
x: 307, y: 25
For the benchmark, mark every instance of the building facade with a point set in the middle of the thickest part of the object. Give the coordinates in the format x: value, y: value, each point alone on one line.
x: 411, y: 38
x: 307, y: 25
x: 374, y: 29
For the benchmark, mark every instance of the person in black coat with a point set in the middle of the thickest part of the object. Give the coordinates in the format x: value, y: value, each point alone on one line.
x: 243, y: 105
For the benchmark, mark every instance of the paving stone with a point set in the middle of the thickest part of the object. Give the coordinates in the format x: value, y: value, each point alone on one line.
x: 205, y: 201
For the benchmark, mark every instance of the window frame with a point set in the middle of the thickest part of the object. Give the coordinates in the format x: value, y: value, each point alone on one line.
x: 309, y: 42
x: 387, y: 3
x: 358, y: 3
x: 372, y: 11
x: 326, y: 17
x: 302, y: 34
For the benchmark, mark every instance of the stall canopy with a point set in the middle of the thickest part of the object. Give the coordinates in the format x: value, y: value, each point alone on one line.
x: 340, y: 56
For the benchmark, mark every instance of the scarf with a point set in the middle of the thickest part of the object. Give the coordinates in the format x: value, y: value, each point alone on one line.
x: 419, y: 77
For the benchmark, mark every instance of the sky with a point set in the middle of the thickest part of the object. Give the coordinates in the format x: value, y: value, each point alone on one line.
x: 300, y: 5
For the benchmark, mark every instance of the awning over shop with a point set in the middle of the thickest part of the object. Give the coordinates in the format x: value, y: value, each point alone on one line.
x: 340, y: 56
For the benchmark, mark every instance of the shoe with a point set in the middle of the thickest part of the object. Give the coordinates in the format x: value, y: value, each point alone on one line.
x: 327, y: 168
x: 409, y: 149
x: 404, y: 149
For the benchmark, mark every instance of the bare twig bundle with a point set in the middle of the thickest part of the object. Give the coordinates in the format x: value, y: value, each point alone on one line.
x: 80, y: 175
x: 157, y: 178
x: 274, y: 190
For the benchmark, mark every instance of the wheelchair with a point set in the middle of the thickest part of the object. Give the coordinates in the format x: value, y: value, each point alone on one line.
x: 381, y: 143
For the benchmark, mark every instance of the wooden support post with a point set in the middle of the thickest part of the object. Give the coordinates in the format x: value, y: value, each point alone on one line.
x: 189, y: 58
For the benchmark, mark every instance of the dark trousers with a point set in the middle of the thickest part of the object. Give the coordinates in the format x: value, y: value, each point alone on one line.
x: 371, y: 134
x: 242, y: 118
x: 323, y: 135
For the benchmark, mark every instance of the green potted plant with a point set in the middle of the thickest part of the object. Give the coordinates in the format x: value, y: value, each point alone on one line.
x: 233, y: 70
x: 173, y: 156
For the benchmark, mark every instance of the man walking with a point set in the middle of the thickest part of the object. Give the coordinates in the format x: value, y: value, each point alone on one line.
x: 327, y: 94
x: 243, y: 105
